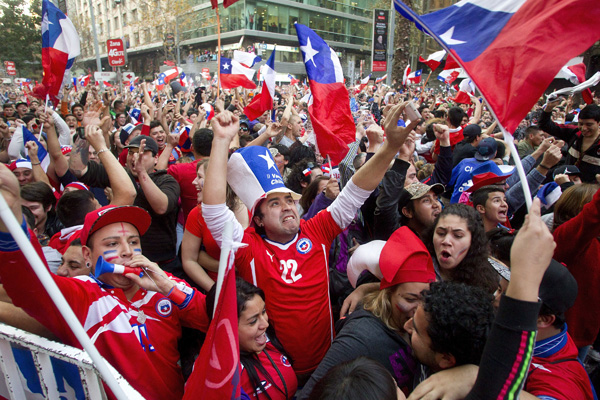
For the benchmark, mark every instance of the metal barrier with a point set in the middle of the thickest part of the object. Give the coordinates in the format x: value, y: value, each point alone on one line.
x: 37, y: 368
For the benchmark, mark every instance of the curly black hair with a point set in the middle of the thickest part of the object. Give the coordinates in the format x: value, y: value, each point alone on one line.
x: 460, y: 318
x: 474, y: 269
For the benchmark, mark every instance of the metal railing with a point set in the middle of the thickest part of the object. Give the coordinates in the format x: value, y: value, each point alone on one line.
x: 35, y: 367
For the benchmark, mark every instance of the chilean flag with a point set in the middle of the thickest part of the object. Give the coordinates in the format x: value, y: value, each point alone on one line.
x: 415, y: 77
x: 405, y: 75
x: 293, y: 80
x: 512, y: 49
x: 331, y: 118
x: 363, y: 84
x: 264, y: 100
x: 84, y: 80
x: 451, y: 63
x: 234, y: 74
x: 246, y: 59
x: 379, y: 80
x: 60, y: 46
x: 449, y: 75
x: 217, y: 370
x: 434, y: 60
x: 576, y: 75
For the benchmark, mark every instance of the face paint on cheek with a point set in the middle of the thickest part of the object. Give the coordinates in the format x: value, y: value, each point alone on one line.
x: 463, y: 251
x: 110, y: 255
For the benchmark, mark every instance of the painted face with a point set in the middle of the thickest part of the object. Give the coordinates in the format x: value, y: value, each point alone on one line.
x: 117, y: 243
x: 280, y: 217
x: 427, y: 208
x: 588, y: 127
x: 199, y: 182
x: 405, y: 299
x: 72, y: 263
x: 252, y: 325
x: 39, y: 212
x: 159, y: 135
x: 496, y: 208
x: 451, y: 241
x: 24, y: 175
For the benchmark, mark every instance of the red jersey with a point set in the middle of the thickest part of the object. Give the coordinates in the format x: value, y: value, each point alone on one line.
x: 280, y: 365
x: 555, y: 371
x: 196, y: 226
x: 185, y: 174
x: 295, y: 279
x: 62, y: 240
x: 138, y: 336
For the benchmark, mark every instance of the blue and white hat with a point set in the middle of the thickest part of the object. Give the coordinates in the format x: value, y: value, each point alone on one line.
x: 549, y: 194
x: 253, y: 175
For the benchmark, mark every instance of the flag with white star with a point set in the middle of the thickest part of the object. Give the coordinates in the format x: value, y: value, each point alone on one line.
x: 330, y: 109
x: 512, y: 49
x: 60, y: 46
x: 233, y: 74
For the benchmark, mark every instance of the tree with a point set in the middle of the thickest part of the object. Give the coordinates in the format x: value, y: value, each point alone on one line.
x: 20, y: 24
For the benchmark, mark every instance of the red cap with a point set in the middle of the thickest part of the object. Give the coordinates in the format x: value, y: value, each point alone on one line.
x: 404, y: 258
x: 107, y: 215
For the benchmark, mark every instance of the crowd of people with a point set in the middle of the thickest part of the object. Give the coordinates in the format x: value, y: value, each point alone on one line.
x: 412, y: 269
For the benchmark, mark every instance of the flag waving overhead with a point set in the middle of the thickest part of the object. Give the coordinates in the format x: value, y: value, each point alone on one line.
x: 264, y: 100
x: 234, y: 74
x: 330, y: 110
x: 434, y: 60
x: 60, y: 46
x: 512, y: 49
x: 576, y: 75
x: 246, y: 59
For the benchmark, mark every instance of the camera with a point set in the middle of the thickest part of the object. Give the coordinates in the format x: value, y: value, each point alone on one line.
x: 80, y: 131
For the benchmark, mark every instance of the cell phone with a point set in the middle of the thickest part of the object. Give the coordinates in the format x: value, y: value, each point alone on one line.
x: 411, y: 111
x: 80, y: 132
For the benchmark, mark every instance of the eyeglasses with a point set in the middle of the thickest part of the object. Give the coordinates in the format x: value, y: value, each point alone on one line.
x: 243, y: 128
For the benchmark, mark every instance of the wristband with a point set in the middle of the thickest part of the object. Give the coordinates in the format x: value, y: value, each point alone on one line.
x: 101, y: 151
x: 35, y: 163
x: 176, y: 295
x: 543, y: 166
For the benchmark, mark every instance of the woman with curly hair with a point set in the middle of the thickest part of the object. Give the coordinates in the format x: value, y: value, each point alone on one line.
x: 459, y: 248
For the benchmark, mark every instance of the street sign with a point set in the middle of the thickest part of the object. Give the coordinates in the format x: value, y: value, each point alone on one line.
x: 206, y: 73
x: 128, y: 76
x: 105, y: 76
x: 116, y: 52
x: 11, y: 69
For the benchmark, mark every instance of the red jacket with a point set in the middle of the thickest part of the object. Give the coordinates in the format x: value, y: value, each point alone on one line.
x: 578, y: 247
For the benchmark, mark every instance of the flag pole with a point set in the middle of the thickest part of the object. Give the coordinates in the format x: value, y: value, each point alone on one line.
x: 57, y: 297
x: 45, y: 111
x: 218, y: 54
x: 511, y: 145
x: 508, y: 138
x: 426, y: 80
x: 226, y: 245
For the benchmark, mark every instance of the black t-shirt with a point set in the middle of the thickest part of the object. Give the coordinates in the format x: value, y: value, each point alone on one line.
x: 461, y: 151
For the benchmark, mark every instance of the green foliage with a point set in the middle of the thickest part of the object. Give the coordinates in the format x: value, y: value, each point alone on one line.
x: 20, y: 25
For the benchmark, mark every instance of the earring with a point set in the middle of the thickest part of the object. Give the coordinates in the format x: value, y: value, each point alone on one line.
x: 88, y: 265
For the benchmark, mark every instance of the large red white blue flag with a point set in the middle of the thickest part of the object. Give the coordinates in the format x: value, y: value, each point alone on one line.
x: 330, y: 110
x: 60, y: 46
x: 233, y: 74
x: 512, y: 49
x: 264, y: 100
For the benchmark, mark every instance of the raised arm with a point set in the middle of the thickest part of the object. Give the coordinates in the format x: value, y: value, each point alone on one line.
x: 122, y: 187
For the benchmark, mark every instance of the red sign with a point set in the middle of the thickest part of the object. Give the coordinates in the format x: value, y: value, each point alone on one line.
x: 116, y: 52
x: 11, y: 69
x: 206, y: 73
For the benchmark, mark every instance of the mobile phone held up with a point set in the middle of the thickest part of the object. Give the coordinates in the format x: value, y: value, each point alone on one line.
x: 411, y: 111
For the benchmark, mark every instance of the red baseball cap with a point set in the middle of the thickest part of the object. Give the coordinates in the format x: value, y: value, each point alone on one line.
x: 404, y: 258
x: 107, y: 215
